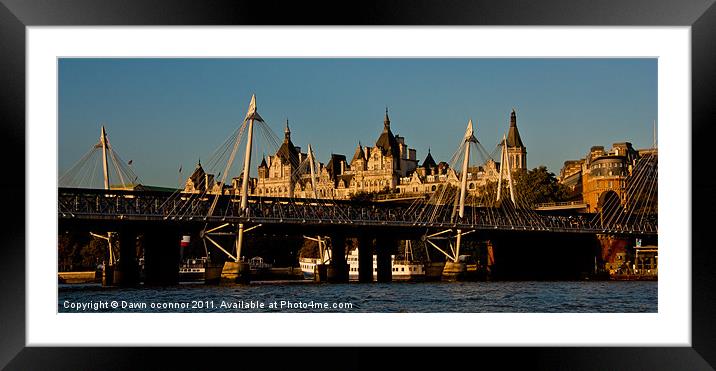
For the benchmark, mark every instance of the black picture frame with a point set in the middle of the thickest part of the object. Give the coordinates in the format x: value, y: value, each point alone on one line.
x: 15, y: 15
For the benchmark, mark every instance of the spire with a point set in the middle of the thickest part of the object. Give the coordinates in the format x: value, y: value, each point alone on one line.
x: 263, y: 161
x: 358, y: 154
x: 386, y: 121
x: 513, y: 135
x: 429, y: 162
x: 287, y: 132
x: 386, y: 142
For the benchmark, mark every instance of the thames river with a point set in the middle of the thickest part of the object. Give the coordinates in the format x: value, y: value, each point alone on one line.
x: 396, y: 297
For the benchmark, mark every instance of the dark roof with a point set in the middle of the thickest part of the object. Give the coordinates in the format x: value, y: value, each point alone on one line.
x: 287, y: 152
x: 429, y: 162
x: 263, y: 163
x: 386, y: 142
x: 198, y: 174
x: 359, y: 153
x: 334, y: 165
x: 513, y: 136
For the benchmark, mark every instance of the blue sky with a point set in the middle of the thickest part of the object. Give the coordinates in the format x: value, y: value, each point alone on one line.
x: 167, y: 113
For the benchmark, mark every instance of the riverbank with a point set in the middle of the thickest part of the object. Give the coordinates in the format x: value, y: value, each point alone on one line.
x: 79, y: 277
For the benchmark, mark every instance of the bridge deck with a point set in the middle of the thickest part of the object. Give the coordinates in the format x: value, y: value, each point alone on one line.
x: 82, y: 204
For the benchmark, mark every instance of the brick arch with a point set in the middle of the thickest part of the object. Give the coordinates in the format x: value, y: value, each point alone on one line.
x: 608, y: 201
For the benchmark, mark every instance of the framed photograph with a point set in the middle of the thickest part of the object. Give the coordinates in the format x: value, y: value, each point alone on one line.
x: 480, y: 175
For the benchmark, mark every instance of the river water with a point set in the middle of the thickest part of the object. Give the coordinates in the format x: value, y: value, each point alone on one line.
x: 428, y: 297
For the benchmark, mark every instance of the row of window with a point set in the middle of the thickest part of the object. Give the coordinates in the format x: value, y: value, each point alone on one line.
x: 607, y: 165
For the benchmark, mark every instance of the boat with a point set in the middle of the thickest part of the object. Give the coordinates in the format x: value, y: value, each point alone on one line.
x: 309, y: 267
x: 199, y: 270
x: 402, y: 269
x: 405, y: 269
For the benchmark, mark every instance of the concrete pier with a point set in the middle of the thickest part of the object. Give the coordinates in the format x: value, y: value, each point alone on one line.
x: 108, y: 275
x: 384, y: 248
x: 338, y: 269
x: 454, y: 271
x: 126, y: 273
x: 321, y: 273
x: 161, y: 257
x: 238, y: 272
x: 365, y: 259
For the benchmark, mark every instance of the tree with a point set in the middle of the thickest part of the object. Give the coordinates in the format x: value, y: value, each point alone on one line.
x: 309, y: 249
x: 362, y: 196
x: 537, y: 186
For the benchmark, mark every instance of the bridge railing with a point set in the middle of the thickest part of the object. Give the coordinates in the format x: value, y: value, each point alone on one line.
x: 561, y: 203
x: 110, y: 204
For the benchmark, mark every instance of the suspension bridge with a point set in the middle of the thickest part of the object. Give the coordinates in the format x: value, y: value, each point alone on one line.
x: 442, y: 219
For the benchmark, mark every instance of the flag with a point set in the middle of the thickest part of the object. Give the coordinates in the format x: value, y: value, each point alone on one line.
x: 130, y: 162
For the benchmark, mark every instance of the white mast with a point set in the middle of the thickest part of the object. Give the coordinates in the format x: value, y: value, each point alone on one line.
x: 509, y: 173
x: 502, y: 166
x: 469, y: 138
x: 251, y: 115
x: 313, y: 174
x: 505, y: 167
x: 103, y: 143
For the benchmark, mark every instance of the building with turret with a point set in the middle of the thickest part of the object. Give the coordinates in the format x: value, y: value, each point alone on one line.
x: 601, y: 176
x: 516, y: 150
x: 389, y: 166
x: 277, y: 175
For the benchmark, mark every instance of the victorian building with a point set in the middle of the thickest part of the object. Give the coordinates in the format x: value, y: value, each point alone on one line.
x: 601, y: 176
x: 389, y: 167
x: 516, y: 150
x: 277, y: 174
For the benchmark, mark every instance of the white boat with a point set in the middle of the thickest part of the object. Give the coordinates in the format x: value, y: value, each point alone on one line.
x: 199, y: 270
x: 402, y: 270
x: 309, y: 267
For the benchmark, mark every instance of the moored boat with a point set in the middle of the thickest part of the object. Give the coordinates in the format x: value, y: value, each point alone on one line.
x: 199, y: 270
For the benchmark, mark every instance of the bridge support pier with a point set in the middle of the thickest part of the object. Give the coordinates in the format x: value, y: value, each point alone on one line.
x: 126, y: 273
x: 365, y: 259
x: 384, y: 248
x: 338, y: 269
x: 489, y: 260
x: 454, y: 271
x: 161, y: 256
x: 108, y: 275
